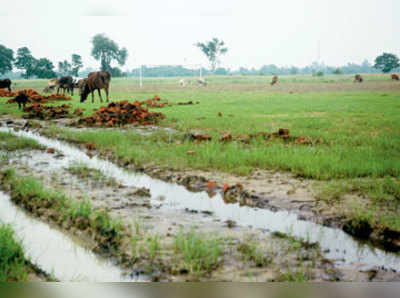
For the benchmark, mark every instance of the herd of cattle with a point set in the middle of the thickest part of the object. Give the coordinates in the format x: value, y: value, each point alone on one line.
x: 101, y: 80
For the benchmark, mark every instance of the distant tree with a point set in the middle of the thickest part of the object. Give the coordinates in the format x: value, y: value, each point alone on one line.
x: 6, y: 59
x: 294, y: 70
x: 107, y: 50
x: 337, y: 71
x: 44, y: 69
x: 76, y: 64
x: 221, y: 71
x: 64, y: 68
x: 319, y: 74
x: 116, y: 72
x: 25, y: 61
x: 386, y: 62
x: 213, y: 49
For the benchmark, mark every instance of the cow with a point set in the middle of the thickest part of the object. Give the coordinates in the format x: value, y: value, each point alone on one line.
x: 66, y: 83
x: 395, y: 77
x: 6, y: 83
x: 202, y: 82
x: 182, y: 82
x: 96, y: 80
x: 358, y: 78
x: 21, y: 99
x: 274, y: 80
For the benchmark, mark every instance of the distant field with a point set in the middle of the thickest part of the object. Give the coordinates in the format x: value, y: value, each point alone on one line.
x: 357, y: 122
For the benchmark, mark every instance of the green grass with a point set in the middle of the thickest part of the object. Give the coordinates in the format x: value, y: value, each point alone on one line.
x: 82, y: 171
x: 252, y: 252
x: 10, y: 142
x: 33, y: 196
x: 197, y: 253
x: 377, y: 201
x: 12, y: 258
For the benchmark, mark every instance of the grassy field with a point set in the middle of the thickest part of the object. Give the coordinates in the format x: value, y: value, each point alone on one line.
x: 356, y: 125
x: 358, y: 129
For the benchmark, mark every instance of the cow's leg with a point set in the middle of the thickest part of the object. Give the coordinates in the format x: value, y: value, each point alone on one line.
x: 106, y: 93
x: 19, y: 105
x: 93, y: 96
x: 9, y: 88
x: 72, y: 90
x: 58, y: 89
x: 101, y: 100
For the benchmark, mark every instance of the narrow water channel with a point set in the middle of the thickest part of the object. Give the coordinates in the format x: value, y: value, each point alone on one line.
x: 55, y: 252
x: 337, y: 245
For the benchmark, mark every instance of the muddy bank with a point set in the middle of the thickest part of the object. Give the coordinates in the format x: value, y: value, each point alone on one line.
x: 55, y: 253
x: 166, y: 219
x: 170, y: 198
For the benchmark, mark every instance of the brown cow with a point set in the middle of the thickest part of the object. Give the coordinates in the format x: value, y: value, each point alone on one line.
x: 96, y: 80
x: 395, y: 77
x: 358, y: 78
x: 274, y: 80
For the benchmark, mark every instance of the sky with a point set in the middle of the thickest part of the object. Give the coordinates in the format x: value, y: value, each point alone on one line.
x: 163, y: 32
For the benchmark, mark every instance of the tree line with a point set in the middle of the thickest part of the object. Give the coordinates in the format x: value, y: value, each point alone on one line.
x: 104, y: 50
x: 107, y: 51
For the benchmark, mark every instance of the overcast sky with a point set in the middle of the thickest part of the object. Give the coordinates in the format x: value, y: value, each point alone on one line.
x: 257, y: 32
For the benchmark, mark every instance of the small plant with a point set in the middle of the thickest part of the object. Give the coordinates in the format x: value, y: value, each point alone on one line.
x: 196, y: 253
x: 12, y: 259
x: 251, y: 252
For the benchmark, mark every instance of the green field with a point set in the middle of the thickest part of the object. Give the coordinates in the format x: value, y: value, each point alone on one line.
x: 356, y: 126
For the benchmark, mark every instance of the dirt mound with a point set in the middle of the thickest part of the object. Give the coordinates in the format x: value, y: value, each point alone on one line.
x: 40, y: 111
x: 121, y: 113
x: 282, y: 133
x: 34, y: 96
x: 6, y: 93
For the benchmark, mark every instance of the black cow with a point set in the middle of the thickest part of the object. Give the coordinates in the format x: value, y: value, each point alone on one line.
x: 6, y: 83
x: 21, y: 98
x: 66, y: 83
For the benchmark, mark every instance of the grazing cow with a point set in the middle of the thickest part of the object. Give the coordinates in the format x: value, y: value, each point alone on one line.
x: 182, y: 82
x: 6, y: 83
x: 21, y: 98
x: 274, y: 80
x: 358, y: 78
x: 395, y: 77
x: 66, y: 83
x: 96, y: 80
x: 202, y: 82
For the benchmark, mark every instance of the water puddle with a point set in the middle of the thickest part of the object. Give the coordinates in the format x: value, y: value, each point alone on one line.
x: 342, y: 247
x: 55, y: 252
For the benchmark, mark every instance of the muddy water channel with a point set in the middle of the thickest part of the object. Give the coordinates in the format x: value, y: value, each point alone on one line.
x: 335, y: 244
x: 56, y: 253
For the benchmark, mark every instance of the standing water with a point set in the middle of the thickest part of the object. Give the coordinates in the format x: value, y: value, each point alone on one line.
x: 55, y: 252
x: 337, y: 244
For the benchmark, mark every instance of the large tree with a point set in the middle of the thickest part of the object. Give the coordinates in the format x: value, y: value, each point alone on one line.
x: 44, y: 69
x: 107, y: 50
x: 213, y: 49
x: 76, y: 64
x: 25, y: 61
x: 6, y: 59
x: 64, y: 68
x: 386, y: 62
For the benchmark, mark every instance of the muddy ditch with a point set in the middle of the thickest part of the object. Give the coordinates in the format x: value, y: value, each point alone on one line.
x: 171, y: 197
x: 273, y: 254
x: 62, y: 256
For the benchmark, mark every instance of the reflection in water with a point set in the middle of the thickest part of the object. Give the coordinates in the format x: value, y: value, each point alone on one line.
x: 342, y: 247
x: 55, y: 252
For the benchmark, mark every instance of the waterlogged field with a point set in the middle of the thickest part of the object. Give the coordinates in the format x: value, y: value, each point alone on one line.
x: 352, y: 157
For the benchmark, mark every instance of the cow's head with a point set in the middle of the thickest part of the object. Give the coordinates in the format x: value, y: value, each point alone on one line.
x: 84, y: 91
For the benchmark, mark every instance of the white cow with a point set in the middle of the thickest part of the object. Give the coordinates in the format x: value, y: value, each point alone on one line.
x: 182, y: 82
